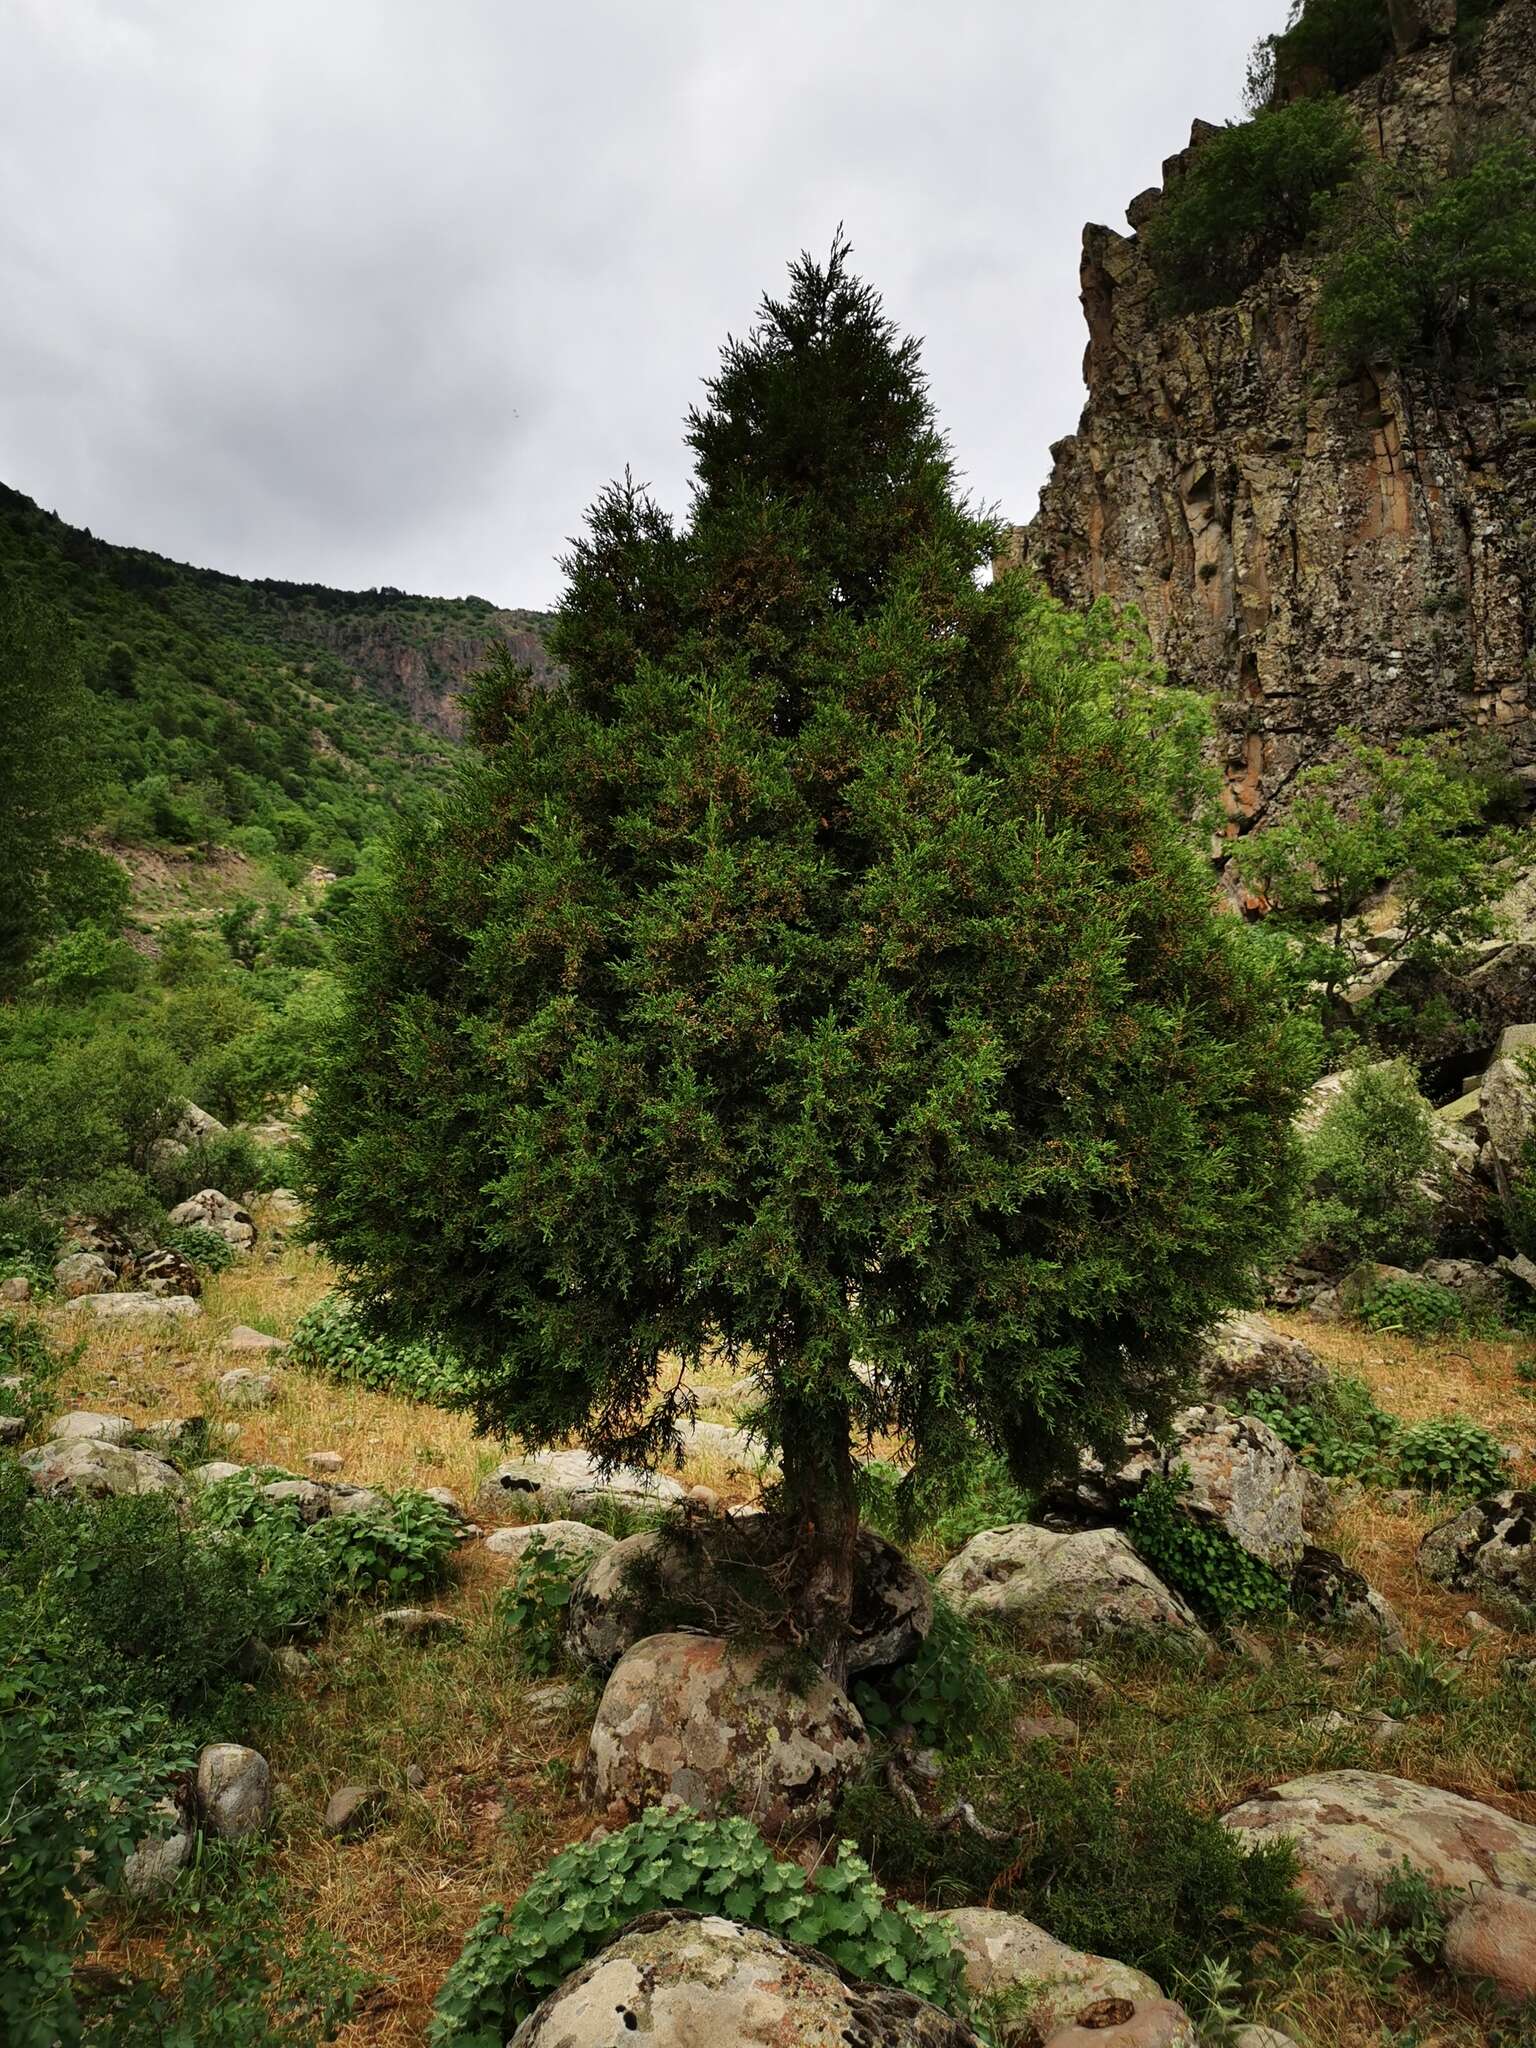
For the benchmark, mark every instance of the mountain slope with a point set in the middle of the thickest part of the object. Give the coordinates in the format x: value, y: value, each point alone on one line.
x: 279, y: 719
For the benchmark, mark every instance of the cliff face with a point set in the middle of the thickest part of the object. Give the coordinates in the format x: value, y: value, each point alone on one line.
x: 1308, y: 552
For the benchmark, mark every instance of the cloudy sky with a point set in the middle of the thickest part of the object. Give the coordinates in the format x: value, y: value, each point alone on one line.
x: 380, y: 291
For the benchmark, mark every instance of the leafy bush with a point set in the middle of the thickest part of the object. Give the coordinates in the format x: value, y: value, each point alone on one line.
x: 1218, y: 1578
x: 665, y: 1861
x: 1250, y: 192
x: 406, y: 1551
x: 1421, y: 1308
x: 1450, y: 1455
x: 332, y: 1339
x: 978, y: 1494
x: 1420, y: 268
x: 945, y: 1692
x: 196, y: 1241
x: 1327, y: 46
x: 1337, y: 1429
x: 534, y: 1605
x: 231, y: 1161
x: 1373, y: 1162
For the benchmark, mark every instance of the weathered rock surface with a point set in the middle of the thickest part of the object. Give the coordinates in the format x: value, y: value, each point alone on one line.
x: 215, y: 1470
x: 96, y: 1470
x: 160, y: 1854
x: 668, y: 1578
x: 674, y: 1980
x: 574, y: 1541
x: 15, y: 1287
x: 136, y: 1306
x: 217, y: 1212
x: 566, y: 1482
x: 309, y: 1500
x: 1005, y: 1953
x: 83, y: 1273
x: 1325, y: 1588
x: 240, y: 1387
x: 82, y: 1425
x: 1245, y: 1354
x: 169, y: 1272
x: 244, y: 1341
x: 1239, y: 1475
x: 1066, y: 1590
x: 1488, y: 1549
x: 354, y: 1810
x: 724, y: 1729
x: 1310, y: 551
x: 234, y: 1790
x: 1353, y: 1830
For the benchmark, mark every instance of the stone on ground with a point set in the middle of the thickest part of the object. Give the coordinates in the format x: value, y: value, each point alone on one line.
x: 234, y: 1790
x: 114, y: 1308
x: 1325, y: 1588
x: 354, y: 1811
x: 1245, y: 1354
x: 420, y: 1624
x: 309, y: 1499
x: 566, y: 1482
x: 725, y: 1730
x: 215, y: 1470
x: 325, y: 1463
x: 216, y: 1212
x: 13, y: 1429
x: 82, y: 1425
x: 1066, y: 1590
x: 244, y: 1341
x: 240, y: 1387
x: 1005, y: 1953
x: 95, y: 1471
x: 159, y: 1855
x: 83, y: 1273
x: 1353, y: 1831
x: 15, y: 1287
x: 675, y: 1980
x: 1488, y: 1549
x: 663, y: 1577
x: 574, y: 1542
x: 169, y: 1272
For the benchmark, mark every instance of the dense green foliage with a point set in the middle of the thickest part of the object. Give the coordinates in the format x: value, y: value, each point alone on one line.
x: 1421, y: 267
x: 1423, y: 1308
x: 534, y: 1606
x: 1374, y: 1168
x: 1414, y: 816
x: 828, y: 965
x: 1339, y: 1431
x: 1251, y: 191
x: 331, y: 1339
x: 676, y: 1861
x: 1199, y: 1559
x: 944, y: 1692
x: 1327, y: 46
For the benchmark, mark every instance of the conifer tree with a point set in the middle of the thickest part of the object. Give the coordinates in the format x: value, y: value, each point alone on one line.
x: 823, y: 971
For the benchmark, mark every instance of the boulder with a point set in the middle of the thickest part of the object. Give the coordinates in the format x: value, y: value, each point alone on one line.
x: 1007, y: 1954
x: 242, y: 1388
x: 215, y: 1470
x: 690, y: 1576
x: 234, y: 1790
x: 310, y: 1501
x: 168, y: 1272
x: 325, y: 1464
x: 1325, y: 1588
x: 355, y: 1810
x: 1066, y: 1591
x: 214, y: 1211
x: 1478, y: 1285
x: 244, y: 1341
x: 135, y: 1307
x: 84, y: 1273
x: 1508, y: 1104
x: 1239, y: 1473
x: 1245, y: 1354
x: 723, y: 1729
x: 160, y: 1854
x: 1354, y: 1830
x: 574, y: 1542
x: 679, y: 1980
x: 80, y: 1425
x: 95, y: 1470
x: 561, y: 1482
x: 1488, y: 1549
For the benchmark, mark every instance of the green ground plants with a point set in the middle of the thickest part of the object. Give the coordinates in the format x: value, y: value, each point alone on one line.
x: 333, y: 1339
x: 1340, y: 1431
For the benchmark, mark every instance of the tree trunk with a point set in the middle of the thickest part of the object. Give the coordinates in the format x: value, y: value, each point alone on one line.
x: 822, y: 1498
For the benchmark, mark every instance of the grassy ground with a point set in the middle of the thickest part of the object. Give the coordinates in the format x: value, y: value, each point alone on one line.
x: 482, y: 1761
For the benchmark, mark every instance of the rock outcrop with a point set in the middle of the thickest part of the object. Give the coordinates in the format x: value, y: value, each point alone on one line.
x: 1309, y: 550
x: 1066, y: 1592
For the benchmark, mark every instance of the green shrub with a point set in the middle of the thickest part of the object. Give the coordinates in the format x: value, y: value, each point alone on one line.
x: 534, y: 1605
x: 977, y: 1494
x: 1373, y: 1162
x: 1421, y: 268
x: 1421, y: 1308
x: 232, y: 1162
x: 1251, y: 192
x: 27, y: 1354
x: 196, y: 1241
x: 945, y: 1692
x: 1218, y: 1578
x: 1327, y: 46
x: 406, y: 1551
x: 332, y: 1339
x: 1337, y: 1430
x: 664, y: 1861
x: 1450, y: 1455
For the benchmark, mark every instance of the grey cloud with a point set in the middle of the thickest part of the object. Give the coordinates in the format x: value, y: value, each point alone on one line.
x: 381, y: 291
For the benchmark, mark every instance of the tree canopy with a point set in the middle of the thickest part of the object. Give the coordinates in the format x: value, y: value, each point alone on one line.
x: 824, y: 970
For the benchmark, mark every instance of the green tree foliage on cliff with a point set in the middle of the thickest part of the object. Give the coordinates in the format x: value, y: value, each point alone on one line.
x: 1422, y: 266
x: 48, y: 784
x: 1413, y: 817
x: 1251, y: 191
x: 1326, y: 46
x: 823, y: 970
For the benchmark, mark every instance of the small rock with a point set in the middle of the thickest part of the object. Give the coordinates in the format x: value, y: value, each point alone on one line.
x: 137, y: 1307
x: 234, y: 1790
x: 358, y: 1500
x: 355, y: 1810
x: 168, y: 1272
x: 1261, y: 2037
x: 1044, y: 1728
x: 423, y: 1624
x: 84, y: 1273
x: 570, y: 1540
x: 242, y: 1338
x: 13, y: 1429
x: 159, y: 1855
x: 1480, y: 1625
x: 704, y: 1498
x: 310, y: 1501
x: 242, y: 1388
x: 82, y: 1426
x: 15, y: 1287
x: 325, y: 1462
x: 215, y: 1470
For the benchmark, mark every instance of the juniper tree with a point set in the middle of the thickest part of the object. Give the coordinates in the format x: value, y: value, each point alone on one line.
x: 821, y: 972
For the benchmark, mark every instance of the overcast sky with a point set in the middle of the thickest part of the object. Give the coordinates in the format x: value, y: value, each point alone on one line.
x: 381, y: 291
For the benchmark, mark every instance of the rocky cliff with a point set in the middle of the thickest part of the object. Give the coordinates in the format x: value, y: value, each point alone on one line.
x: 1310, y: 552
